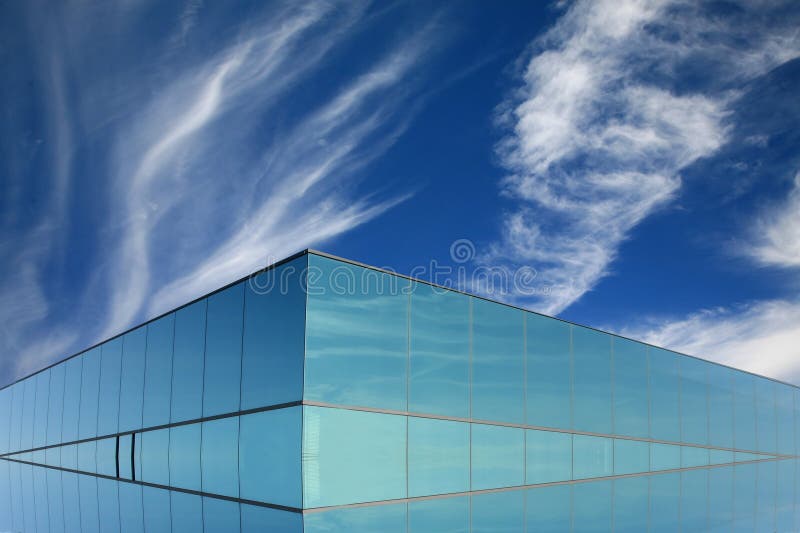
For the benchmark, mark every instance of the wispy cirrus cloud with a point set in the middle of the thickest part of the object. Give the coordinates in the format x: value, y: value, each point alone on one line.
x: 775, y: 240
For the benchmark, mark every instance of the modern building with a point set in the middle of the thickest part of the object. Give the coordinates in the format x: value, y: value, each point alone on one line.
x: 321, y: 395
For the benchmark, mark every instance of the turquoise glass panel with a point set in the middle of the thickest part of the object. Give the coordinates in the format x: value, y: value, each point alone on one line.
x: 745, y: 411
x: 766, y: 421
x: 694, y: 400
x: 187, y: 513
x: 220, y: 516
x: 784, y: 400
x: 665, y: 492
x: 691, y: 457
x: 107, y: 457
x: 274, y: 336
x: 591, y: 383
x: 220, y: 456
x: 352, y: 456
x: 448, y: 515
x: 631, y: 457
x: 439, y: 352
x: 356, y: 336
x: 263, y: 519
x: 720, y: 499
x: 269, y: 456
x: 630, y: 388
x: 745, y: 456
x: 223, y: 364
x: 548, y: 372
x: 766, y: 495
x: 184, y: 456
x: 498, y: 362
x: 548, y: 509
x: 631, y: 500
x: 548, y: 456
x: 382, y: 518
x: 665, y: 422
x: 664, y: 456
x: 90, y: 519
x: 592, y: 456
x: 40, y: 410
x: 154, y: 456
x: 134, y: 345
x: 498, y: 512
x: 90, y: 390
x: 110, y: 370
x: 592, y: 507
x: 108, y: 505
x: 498, y: 457
x: 784, y: 504
x: 438, y: 457
x: 719, y: 457
x: 158, y: 371
x: 720, y: 406
x: 694, y: 500
x: 744, y: 498
x: 187, y: 362
x: 156, y: 510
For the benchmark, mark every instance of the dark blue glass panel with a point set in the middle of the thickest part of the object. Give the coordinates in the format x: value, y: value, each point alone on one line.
x: 766, y: 422
x: 220, y: 456
x: 154, y: 454
x: 90, y: 519
x: 439, y: 352
x: 107, y: 457
x: 498, y: 457
x: 548, y: 509
x: 631, y: 499
x: 125, y: 444
x: 158, y: 371
x: 110, y: 369
x: 220, y: 516
x: 744, y: 498
x: 263, y: 519
x: 438, y: 457
x: 90, y: 390
x: 70, y: 492
x: 664, y: 456
x: 766, y: 495
x: 720, y: 406
x: 28, y: 408
x: 130, y: 508
x: 784, y: 399
x: 630, y: 388
x: 55, y: 410
x: 631, y: 457
x: 87, y: 456
x: 184, y: 456
x: 499, y: 512
x: 745, y: 411
x: 498, y: 362
x: 591, y: 352
x: 40, y: 499
x: 274, y: 336
x: 448, y: 515
x: 592, y: 456
x: 156, y: 510
x: 356, y: 336
x: 548, y: 456
x: 187, y: 365
x: 665, y: 422
x: 694, y: 500
x: 548, y: 372
x: 720, y: 499
x: 187, y: 512
x: 383, y: 518
x: 40, y: 411
x: 134, y: 345
x: 223, y: 365
x: 55, y: 500
x: 591, y: 506
x: 108, y: 505
x: 694, y: 400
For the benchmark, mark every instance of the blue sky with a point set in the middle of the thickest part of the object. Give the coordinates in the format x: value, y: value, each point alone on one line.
x: 636, y: 163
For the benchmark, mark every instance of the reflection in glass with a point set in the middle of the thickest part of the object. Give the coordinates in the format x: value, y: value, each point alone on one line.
x: 548, y: 456
x: 498, y: 512
x: 592, y: 456
x: 449, y: 515
x: 223, y: 363
x: 131, y: 391
x: 591, y: 352
x: 184, y: 456
x: 631, y: 456
x: 261, y: 519
x: 694, y: 400
x: 548, y: 509
x: 154, y: 455
x: 158, y: 371
x: 382, y: 518
x: 156, y: 510
x: 592, y: 508
x: 548, y: 372
x: 90, y: 388
x: 110, y: 369
x: 720, y: 406
x: 694, y: 496
x: 664, y: 395
x: 220, y: 516
x: 720, y: 499
x: 631, y: 497
x: 187, y: 512
x: 90, y: 519
x: 438, y: 456
x: 108, y: 505
x: 664, y: 456
x: 219, y: 456
x: 766, y: 424
x: 630, y: 388
x: 745, y: 423
x: 40, y: 411
x: 187, y: 363
x: 498, y: 456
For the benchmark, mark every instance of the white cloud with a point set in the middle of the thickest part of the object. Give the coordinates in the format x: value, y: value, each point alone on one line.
x: 776, y: 238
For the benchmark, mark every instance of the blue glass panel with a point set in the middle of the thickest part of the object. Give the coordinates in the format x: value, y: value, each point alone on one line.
x: 40, y: 486
x: 630, y: 388
x: 110, y: 369
x: 187, y: 365
x: 766, y: 423
x: 223, y: 366
x: 220, y: 456
x: 438, y: 457
x: 90, y: 519
x: 448, y: 515
x: 631, y: 457
x: 592, y: 507
x: 90, y: 390
x: 498, y: 457
x: 784, y: 504
x: 352, y: 456
x: 40, y: 411
x: 356, y: 336
x: 156, y: 510
x: 184, y: 456
x: 220, y: 516
x: 383, y: 518
x: 694, y: 496
x: 592, y: 456
x: 28, y: 407
x: 15, y: 431
x: 269, y: 456
x: 108, y: 505
x: 665, y: 423
x: 744, y: 498
x: 5, y: 425
x: 548, y: 509
x: 720, y: 457
x: 55, y: 501
x: 548, y: 456
x: 631, y: 497
x: 274, y: 336
x: 766, y: 495
x: 784, y: 398
x: 107, y: 457
x: 69, y: 456
x: 498, y: 362
x: 125, y: 445
x: 745, y: 422
x: 261, y: 519
x: 6, y: 512
x: 720, y: 499
x: 548, y: 372
x: 70, y: 491
x: 720, y: 406
x: 130, y: 508
x: 665, y: 492
x: 499, y: 512
x: 691, y: 457
x: 694, y: 400
x: 134, y: 345
x: 55, y: 410
x: 154, y: 453
x: 187, y: 512
x: 797, y: 424
x: 439, y: 352
x: 87, y: 456
x: 745, y: 456
x: 158, y: 371
x: 591, y: 352
x: 18, y: 518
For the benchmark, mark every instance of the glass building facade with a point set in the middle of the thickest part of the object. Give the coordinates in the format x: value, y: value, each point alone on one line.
x: 325, y: 396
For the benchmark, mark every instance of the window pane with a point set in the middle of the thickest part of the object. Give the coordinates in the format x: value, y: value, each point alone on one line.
x: 220, y: 516
x: 28, y: 407
x: 90, y: 519
x: 383, y: 518
x: 110, y: 369
x: 744, y: 497
x: 184, y: 456
x: 665, y: 421
x: 87, y: 456
x: 269, y: 456
x: 694, y: 496
x: 156, y: 510
x: 263, y: 519
x: 631, y: 457
x: 766, y: 494
x: 720, y: 457
x: 107, y: 457
x: 448, y: 515
x: 219, y: 456
x: 499, y: 512
x: 665, y: 490
x: 69, y: 456
x: 630, y: 388
x: 438, y: 457
x: 40, y: 411
x: 548, y: 372
x: 592, y: 456
x: 70, y: 490
x: 549, y: 456
x: 664, y: 456
x: 785, y: 411
x: 548, y: 509
x: 187, y: 513
x: 108, y: 505
x: 694, y: 400
x: 5, y: 423
x: 498, y: 367
x: 720, y: 406
x: 274, y: 336
x: 356, y: 337
x: 187, y: 371
x: 130, y: 508
x: 72, y: 399
x: 592, y: 507
x: 131, y: 393
x: 17, y: 398
x: 591, y: 351
x: 765, y: 416
x: 691, y: 457
x: 90, y: 389
x: 158, y: 371
x: 720, y: 499
x: 125, y: 463
x: 630, y: 504
x: 439, y: 356
x: 745, y: 422
x: 352, y: 456
x: 154, y: 456
x: 40, y: 501
x: 223, y: 367
x: 55, y: 501
x: 498, y: 456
